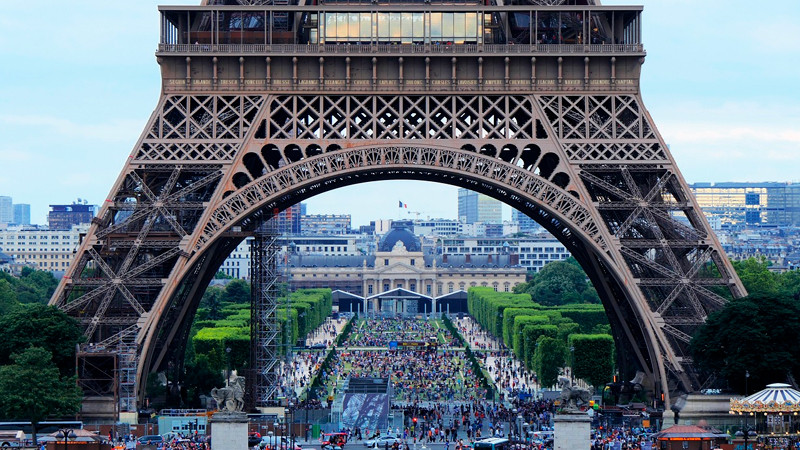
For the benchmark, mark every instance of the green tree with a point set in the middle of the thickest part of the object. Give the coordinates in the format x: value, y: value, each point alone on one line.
x: 557, y: 291
x: 8, y: 297
x: 200, y: 379
x: 35, y: 286
x: 789, y: 283
x: 237, y: 291
x: 39, y: 325
x: 548, y: 358
x: 755, y: 334
x: 589, y: 295
x: 220, y: 275
x: 559, y: 283
x: 756, y: 276
x: 211, y: 304
x: 31, y: 389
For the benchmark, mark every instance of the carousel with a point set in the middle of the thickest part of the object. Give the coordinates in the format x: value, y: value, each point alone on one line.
x: 771, y: 415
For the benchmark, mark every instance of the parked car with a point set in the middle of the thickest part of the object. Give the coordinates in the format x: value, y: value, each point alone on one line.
x: 149, y: 440
x: 277, y: 443
x: 382, y: 441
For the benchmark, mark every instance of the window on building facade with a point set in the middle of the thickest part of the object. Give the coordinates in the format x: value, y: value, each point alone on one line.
x: 412, y: 261
x: 385, y: 287
x: 369, y: 289
x: 386, y: 262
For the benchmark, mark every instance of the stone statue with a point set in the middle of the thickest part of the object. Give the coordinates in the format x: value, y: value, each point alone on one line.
x: 572, y: 397
x: 230, y: 398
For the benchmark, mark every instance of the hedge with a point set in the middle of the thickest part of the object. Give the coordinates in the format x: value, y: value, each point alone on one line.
x: 566, y: 329
x: 214, y: 341
x: 348, y: 328
x: 549, y: 357
x: 521, y: 322
x: 586, y: 316
x: 531, y: 334
x: 509, y: 314
x: 318, y: 380
x: 453, y: 331
x: 593, y: 358
x: 487, y: 306
x: 486, y: 383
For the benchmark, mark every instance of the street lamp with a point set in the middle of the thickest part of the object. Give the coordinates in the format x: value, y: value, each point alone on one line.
x: 572, y: 364
x: 510, y: 423
x: 748, y: 432
x: 64, y: 435
x: 287, y: 414
x: 228, y: 373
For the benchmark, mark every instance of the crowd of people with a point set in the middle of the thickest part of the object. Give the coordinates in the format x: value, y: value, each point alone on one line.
x: 415, y: 375
x: 379, y: 332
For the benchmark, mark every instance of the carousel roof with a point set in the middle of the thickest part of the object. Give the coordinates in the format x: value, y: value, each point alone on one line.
x: 777, y: 397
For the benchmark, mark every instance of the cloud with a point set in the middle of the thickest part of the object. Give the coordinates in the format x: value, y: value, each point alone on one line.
x: 732, y: 141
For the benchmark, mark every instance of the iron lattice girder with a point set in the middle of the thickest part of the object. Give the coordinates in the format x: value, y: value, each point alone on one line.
x: 271, y: 185
x: 574, y: 161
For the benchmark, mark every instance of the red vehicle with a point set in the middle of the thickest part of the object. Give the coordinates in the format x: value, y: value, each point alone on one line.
x: 333, y: 441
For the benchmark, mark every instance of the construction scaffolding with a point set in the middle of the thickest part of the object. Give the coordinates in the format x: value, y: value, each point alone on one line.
x: 263, y: 385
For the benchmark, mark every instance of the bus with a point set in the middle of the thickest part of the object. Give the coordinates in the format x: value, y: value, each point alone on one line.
x: 492, y: 444
x: 44, y: 427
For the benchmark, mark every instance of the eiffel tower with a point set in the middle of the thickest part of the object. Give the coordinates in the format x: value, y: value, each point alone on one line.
x: 264, y: 104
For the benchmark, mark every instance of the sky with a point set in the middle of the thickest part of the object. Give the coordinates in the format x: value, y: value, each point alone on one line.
x: 79, y: 80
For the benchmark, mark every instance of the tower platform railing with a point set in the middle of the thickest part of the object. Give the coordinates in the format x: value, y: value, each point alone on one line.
x: 404, y: 49
x: 407, y: 85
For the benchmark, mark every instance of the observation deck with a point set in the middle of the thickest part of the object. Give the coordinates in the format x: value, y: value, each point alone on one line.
x: 393, y: 46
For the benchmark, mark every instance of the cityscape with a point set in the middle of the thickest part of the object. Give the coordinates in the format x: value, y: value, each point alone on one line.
x: 399, y: 225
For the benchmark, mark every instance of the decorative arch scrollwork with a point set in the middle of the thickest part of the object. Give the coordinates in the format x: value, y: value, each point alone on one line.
x: 321, y: 168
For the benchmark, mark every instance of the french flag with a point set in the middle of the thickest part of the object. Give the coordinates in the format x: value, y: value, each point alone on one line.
x: 402, y: 205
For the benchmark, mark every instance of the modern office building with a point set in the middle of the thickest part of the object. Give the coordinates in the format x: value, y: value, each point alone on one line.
x: 474, y: 207
x: 289, y: 220
x: 526, y: 224
x: 22, y: 214
x: 6, y: 210
x: 64, y: 217
x: 769, y: 204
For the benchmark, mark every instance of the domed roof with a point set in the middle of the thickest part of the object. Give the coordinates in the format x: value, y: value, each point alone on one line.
x: 400, y: 234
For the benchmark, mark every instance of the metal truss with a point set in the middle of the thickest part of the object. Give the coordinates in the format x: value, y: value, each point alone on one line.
x: 585, y: 160
x: 263, y: 381
x: 269, y: 188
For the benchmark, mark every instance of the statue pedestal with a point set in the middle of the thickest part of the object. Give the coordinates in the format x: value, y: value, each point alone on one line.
x: 229, y: 431
x: 572, y: 431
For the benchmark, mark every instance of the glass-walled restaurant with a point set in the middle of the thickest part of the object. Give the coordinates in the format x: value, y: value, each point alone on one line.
x: 202, y: 27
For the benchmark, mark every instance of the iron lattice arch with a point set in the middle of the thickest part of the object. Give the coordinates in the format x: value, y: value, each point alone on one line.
x: 210, y: 166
